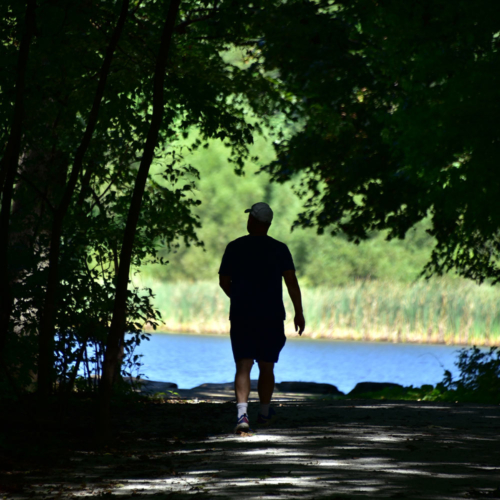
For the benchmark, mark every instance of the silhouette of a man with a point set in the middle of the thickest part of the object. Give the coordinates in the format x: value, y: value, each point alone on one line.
x: 251, y: 275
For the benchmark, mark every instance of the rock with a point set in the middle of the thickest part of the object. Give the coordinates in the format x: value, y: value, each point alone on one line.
x: 226, y: 386
x: 150, y: 386
x: 308, y: 387
x: 364, y: 387
x: 215, y: 387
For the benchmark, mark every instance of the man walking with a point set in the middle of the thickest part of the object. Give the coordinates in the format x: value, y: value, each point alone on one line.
x: 251, y: 275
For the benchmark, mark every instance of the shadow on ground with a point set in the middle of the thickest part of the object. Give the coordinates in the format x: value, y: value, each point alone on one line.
x: 316, y: 449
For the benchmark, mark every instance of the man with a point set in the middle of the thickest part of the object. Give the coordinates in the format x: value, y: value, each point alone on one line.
x: 251, y: 276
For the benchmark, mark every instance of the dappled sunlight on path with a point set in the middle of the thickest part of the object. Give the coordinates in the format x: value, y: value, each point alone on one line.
x: 325, y: 449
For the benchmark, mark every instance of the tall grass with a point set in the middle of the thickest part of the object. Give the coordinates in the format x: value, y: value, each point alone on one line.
x: 429, y: 311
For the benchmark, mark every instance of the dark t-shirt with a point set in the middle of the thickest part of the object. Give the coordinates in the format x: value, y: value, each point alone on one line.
x: 256, y: 265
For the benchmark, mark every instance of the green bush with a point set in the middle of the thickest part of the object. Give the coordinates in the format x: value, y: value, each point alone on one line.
x: 479, y: 379
x: 478, y: 382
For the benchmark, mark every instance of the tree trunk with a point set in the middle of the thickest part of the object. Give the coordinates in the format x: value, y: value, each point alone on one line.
x: 47, y: 323
x: 8, y: 169
x: 117, y: 328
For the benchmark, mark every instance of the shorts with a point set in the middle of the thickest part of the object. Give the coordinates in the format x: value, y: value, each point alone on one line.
x: 261, y: 339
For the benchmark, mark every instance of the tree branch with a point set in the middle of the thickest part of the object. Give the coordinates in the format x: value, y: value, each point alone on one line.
x: 8, y: 168
x: 36, y: 189
x: 117, y: 328
x: 46, y: 336
x: 181, y: 28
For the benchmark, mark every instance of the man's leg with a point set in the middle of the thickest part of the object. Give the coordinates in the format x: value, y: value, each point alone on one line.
x: 242, y: 390
x: 266, y: 384
x: 242, y: 379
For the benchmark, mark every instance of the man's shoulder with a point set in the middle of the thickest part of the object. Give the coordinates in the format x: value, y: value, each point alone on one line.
x: 247, y: 240
x: 239, y: 241
x: 277, y: 243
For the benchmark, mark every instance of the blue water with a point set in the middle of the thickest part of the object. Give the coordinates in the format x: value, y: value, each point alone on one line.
x: 191, y: 360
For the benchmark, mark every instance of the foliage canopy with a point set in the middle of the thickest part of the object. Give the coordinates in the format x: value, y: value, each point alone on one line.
x: 398, y: 121
x: 95, y: 65
x: 383, y: 113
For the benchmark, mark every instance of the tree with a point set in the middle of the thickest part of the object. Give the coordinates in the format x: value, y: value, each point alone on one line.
x: 8, y: 167
x: 118, y: 323
x: 47, y: 322
x: 84, y: 208
x: 395, y: 119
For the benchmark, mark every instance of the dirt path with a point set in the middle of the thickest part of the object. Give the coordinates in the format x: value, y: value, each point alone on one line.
x: 316, y: 449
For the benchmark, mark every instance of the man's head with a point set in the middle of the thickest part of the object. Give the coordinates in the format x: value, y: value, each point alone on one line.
x: 260, y: 218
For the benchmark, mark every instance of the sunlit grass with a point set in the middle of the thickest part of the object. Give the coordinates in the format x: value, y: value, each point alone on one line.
x: 427, y: 311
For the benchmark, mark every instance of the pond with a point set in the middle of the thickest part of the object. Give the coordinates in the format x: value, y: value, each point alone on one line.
x: 190, y: 360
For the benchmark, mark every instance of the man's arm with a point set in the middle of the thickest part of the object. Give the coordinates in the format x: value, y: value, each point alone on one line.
x: 294, y: 291
x: 225, y: 284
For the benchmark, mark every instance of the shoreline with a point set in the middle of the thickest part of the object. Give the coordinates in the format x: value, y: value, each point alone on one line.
x: 412, y: 338
x: 225, y: 391
x: 435, y: 312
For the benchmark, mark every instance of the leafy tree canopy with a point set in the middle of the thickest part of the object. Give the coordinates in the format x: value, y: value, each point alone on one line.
x: 75, y: 196
x: 396, y: 118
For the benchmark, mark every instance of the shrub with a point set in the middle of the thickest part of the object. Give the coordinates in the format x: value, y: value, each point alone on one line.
x: 479, y: 379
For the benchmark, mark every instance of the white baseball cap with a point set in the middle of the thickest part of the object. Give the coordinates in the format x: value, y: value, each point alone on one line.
x: 261, y: 211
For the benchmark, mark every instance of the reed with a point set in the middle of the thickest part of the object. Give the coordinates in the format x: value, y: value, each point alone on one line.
x: 451, y: 312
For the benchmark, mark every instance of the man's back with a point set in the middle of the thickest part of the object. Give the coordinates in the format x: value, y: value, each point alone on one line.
x: 256, y: 265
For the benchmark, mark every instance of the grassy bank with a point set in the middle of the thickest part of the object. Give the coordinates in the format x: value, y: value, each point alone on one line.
x: 452, y: 312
